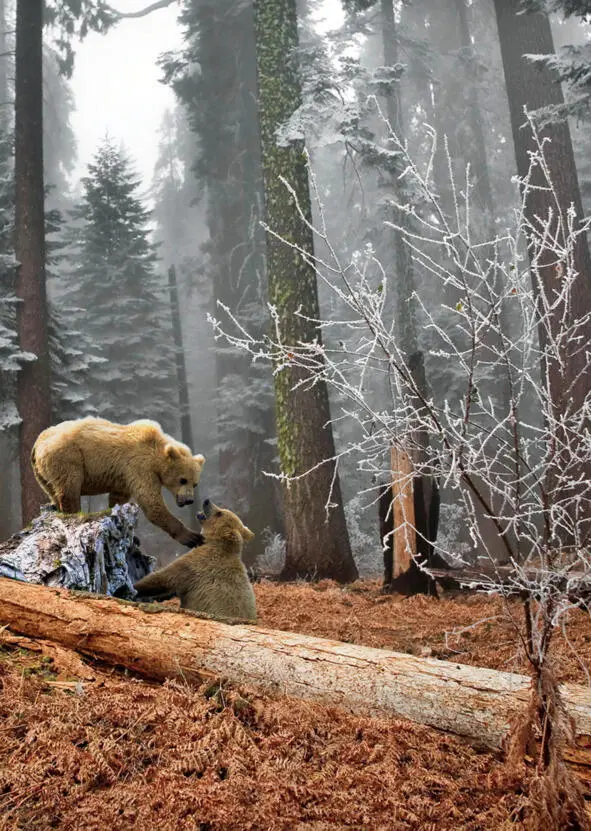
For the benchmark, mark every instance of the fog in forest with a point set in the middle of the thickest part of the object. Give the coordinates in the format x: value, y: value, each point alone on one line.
x: 155, y: 204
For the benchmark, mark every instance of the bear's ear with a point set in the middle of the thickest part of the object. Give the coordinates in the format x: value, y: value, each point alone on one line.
x: 199, y: 460
x: 247, y: 534
x: 171, y: 452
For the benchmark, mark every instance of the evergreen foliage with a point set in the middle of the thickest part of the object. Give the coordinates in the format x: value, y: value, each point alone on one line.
x: 10, y: 355
x: 115, y: 285
x: 72, y: 352
x: 75, y: 18
x: 572, y: 64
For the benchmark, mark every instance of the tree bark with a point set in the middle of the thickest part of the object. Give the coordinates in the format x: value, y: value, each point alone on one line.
x: 568, y: 373
x: 404, y: 311
x: 226, y: 117
x: 34, y: 388
x: 90, y: 552
x: 402, y: 573
x: 179, y: 352
x: 5, y: 109
x: 317, y: 545
x: 469, y: 701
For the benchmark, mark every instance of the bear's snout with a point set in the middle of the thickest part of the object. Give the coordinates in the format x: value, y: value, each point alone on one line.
x: 181, y: 501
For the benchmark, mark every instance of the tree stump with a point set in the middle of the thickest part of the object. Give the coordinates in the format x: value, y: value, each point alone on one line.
x: 98, y: 552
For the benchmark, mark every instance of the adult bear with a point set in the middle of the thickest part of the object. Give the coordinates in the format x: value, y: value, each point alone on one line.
x: 130, y: 462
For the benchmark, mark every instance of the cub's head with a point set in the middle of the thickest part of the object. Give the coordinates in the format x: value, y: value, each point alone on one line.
x: 222, y: 525
x: 181, y: 472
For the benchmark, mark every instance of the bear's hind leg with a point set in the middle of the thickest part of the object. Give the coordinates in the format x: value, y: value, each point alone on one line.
x: 43, y: 483
x: 68, y: 494
x: 47, y: 488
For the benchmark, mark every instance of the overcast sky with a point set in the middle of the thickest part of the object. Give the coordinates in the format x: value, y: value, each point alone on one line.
x: 116, y: 86
x: 116, y: 82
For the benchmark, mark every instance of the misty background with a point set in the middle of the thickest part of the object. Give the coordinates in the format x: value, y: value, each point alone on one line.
x: 160, y: 112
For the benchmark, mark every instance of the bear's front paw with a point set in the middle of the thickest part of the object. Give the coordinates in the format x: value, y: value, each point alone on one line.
x: 193, y: 539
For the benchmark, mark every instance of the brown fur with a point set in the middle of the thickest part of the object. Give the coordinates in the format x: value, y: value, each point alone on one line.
x: 211, y: 578
x: 135, y: 461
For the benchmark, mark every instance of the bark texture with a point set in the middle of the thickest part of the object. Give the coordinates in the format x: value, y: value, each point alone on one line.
x: 226, y: 118
x: 179, y: 353
x: 34, y: 389
x: 531, y: 86
x: 317, y: 546
x: 404, y: 309
x: 90, y: 552
x: 469, y: 701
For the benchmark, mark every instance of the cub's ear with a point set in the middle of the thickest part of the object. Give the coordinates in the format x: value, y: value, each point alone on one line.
x: 247, y: 534
x: 199, y: 460
x: 171, y: 452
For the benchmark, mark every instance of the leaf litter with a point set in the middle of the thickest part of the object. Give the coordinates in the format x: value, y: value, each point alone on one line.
x: 121, y: 752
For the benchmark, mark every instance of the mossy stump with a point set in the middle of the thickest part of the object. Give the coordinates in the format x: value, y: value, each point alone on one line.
x: 96, y: 552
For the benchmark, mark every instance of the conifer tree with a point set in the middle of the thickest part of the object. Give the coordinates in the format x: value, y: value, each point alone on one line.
x: 316, y: 544
x: 116, y: 286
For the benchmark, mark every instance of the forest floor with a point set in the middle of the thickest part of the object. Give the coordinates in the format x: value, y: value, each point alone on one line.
x: 465, y: 628
x: 125, y: 753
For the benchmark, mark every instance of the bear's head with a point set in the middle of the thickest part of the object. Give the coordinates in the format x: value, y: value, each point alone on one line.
x: 181, y: 472
x: 222, y: 525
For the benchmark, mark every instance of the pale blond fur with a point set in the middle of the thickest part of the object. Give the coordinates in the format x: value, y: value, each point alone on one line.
x: 212, y: 578
x: 130, y: 462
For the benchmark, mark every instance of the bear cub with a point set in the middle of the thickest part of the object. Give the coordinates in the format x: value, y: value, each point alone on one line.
x: 130, y: 462
x: 212, y: 578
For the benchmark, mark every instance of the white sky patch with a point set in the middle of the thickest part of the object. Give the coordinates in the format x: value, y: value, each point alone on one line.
x: 117, y: 89
x: 329, y: 16
x: 116, y: 83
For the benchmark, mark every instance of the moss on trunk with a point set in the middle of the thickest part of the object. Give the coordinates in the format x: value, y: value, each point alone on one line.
x: 317, y: 545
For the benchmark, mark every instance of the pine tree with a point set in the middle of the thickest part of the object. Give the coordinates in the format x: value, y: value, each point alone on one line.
x: 73, y: 353
x: 572, y: 64
x: 116, y: 285
x: 11, y: 358
x: 569, y: 374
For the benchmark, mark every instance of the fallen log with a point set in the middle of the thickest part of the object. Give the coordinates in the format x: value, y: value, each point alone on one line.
x: 575, y: 583
x: 89, y: 552
x: 158, y: 644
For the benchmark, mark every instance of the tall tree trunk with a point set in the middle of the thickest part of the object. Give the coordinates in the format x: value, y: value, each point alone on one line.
x: 181, y: 371
x: 231, y: 146
x: 459, y: 121
x: 457, y: 109
x: 406, y: 329
x: 34, y: 392
x: 569, y: 372
x: 479, y: 155
x: 317, y: 544
x: 5, y: 63
x: 402, y: 575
